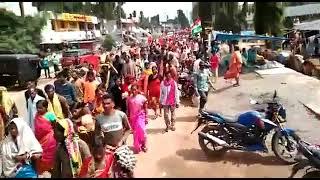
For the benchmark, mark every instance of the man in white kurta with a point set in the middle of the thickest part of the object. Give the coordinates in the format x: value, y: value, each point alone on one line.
x: 32, y: 107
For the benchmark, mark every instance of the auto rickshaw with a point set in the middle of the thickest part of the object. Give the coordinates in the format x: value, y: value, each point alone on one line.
x: 19, y: 68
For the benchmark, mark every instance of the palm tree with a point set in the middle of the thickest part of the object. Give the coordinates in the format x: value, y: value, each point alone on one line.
x: 21, y: 6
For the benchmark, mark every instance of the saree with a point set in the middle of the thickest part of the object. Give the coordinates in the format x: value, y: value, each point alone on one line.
x: 55, y: 107
x: 6, y: 101
x: 71, y: 142
x: 2, y: 123
x: 234, y: 67
x: 26, y: 143
x: 137, y: 120
x: 154, y: 91
x: 88, y: 169
x: 45, y: 135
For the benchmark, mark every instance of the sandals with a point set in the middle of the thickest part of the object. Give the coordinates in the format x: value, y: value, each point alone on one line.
x: 144, y: 149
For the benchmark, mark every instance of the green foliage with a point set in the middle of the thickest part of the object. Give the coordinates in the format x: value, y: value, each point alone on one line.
x: 266, y: 22
x: 155, y: 20
x: 243, y: 15
x: 106, y: 10
x: 20, y: 34
x: 143, y: 21
x: 227, y: 16
x: 182, y: 19
x: 195, y: 12
x: 288, y: 22
x: 119, y: 12
x: 205, y: 13
x: 109, y: 42
x: 141, y: 17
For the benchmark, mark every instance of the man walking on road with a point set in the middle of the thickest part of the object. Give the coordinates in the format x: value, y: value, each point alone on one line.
x: 201, y: 83
x: 169, y: 100
x: 112, y: 124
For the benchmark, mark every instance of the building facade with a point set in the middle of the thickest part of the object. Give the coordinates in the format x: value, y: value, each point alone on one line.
x: 70, y: 27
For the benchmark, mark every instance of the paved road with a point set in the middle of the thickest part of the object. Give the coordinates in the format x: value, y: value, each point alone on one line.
x: 177, y: 154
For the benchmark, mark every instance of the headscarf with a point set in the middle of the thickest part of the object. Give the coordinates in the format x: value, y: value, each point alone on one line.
x: 6, y: 101
x: 26, y: 142
x: 71, y: 142
x: 55, y: 107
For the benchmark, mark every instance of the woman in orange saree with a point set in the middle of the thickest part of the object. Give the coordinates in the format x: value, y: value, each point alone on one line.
x: 45, y: 135
x: 235, y: 66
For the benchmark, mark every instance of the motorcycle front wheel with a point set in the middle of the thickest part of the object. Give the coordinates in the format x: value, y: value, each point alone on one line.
x: 210, y: 148
x: 281, y: 148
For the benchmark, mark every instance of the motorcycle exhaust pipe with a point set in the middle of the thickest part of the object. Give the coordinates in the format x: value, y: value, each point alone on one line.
x: 214, y: 139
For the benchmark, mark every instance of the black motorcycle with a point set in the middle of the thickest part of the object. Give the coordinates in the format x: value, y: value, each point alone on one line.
x: 186, y: 85
x: 222, y: 133
x: 310, y: 157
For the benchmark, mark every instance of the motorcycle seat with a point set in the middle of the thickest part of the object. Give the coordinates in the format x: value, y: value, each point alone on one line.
x: 226, y: 118
x: 230, y: 119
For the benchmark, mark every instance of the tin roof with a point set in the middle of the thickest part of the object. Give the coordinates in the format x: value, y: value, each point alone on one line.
x: 308, y: 26
x: 302, y: 10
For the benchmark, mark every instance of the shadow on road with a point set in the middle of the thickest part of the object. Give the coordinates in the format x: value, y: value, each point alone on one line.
x: 156, y: 130
x: 235, y: 157
x: 217, y: 91
x: 186, y: 119
x: 186, y: 102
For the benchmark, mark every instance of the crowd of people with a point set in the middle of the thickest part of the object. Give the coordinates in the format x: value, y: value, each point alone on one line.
x: 79, y: 125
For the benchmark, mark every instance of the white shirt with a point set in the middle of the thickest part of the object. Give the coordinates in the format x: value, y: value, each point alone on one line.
x: 196, y: 65
x: 196, y: 47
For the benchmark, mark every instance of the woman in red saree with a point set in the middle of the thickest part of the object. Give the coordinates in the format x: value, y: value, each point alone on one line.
x: 45, y: 135
x: 235, y: 65
x: 154, y: 91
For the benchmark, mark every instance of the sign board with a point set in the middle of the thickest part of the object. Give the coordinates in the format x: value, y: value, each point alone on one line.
x: 76, y: 17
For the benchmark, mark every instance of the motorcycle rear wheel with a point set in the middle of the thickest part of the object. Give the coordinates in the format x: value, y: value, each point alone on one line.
x: 215, y: 131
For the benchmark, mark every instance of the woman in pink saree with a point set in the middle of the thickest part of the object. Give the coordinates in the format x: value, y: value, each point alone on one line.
x: 45, y: 135
x: 137, y: 114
